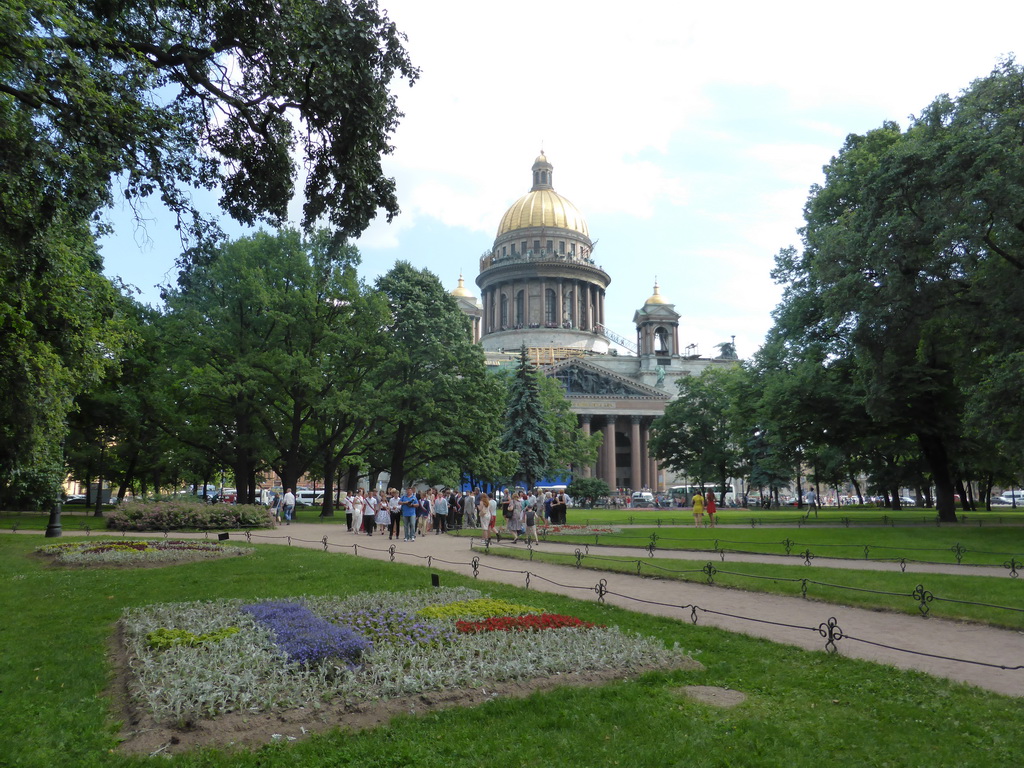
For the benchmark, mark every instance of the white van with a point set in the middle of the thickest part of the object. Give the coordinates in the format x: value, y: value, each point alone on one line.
x: 309, y: 498
x: 643, y: 499
x: 1010, y: 496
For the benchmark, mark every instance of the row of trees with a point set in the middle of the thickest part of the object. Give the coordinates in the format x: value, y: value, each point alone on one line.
x: 153, y: 100
x: 896, y: 352
x: 272, y: 357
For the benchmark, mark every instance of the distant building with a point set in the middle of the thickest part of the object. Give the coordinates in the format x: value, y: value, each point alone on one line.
x: 540, y: 286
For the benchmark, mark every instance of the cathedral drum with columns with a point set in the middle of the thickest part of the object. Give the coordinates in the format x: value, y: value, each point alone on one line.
x: 541, y: 288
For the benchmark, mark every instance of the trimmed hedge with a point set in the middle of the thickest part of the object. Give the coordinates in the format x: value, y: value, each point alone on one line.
x: 188, y: 515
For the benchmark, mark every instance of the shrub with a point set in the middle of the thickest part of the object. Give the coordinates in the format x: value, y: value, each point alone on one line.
x: 188, y: 515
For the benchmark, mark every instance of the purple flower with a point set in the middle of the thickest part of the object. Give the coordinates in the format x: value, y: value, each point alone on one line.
x: 304, y: 636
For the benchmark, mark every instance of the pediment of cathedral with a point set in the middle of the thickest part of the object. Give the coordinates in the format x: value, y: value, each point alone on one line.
x: 582, y: 378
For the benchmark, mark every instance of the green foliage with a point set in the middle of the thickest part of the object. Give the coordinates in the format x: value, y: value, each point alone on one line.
x: 188, y: 515
x: 570, y: 448
x: 698, y: 435
x: 163, y: 638
x: 439, y: 409
x: 526, y: 429
x: 911, y: 236
x: 147, y: 92
x: 588, y: 489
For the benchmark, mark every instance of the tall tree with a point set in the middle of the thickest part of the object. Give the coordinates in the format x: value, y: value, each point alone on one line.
x: 439, y: 409
x: 526, y: 428
x: 166, y: 97
x: 263, y: 339
x: 697, y: 436
x: 913, y: 235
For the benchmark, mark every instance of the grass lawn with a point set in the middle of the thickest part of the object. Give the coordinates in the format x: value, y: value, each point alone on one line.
x: 803, y: 708
x: 855, y: 588
x: 992, y: 545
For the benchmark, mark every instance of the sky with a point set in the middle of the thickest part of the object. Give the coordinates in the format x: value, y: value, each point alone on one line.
x: 689, y: 135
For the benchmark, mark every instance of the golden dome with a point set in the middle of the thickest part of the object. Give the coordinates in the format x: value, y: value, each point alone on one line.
x: 462, y: 290
x: 656, y: 298
x: 542, y: 206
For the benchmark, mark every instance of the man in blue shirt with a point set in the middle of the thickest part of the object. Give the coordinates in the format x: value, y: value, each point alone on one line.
x: 409, y: 504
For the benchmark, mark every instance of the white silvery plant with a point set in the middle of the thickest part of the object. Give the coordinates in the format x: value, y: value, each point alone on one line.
x: 246, y: 671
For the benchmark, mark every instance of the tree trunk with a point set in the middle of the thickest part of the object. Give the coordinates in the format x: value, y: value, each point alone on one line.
x: 966, y: 497
x: 398, y: 453
x: 934, y: 450
x: 352, y: 481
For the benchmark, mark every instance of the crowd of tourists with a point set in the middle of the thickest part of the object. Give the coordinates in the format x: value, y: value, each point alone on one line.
x: 413, y: 513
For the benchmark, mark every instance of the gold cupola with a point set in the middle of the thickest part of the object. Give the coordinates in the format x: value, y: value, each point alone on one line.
x: 656, y: 297
x: 462, y: 291
x: 542, y: 207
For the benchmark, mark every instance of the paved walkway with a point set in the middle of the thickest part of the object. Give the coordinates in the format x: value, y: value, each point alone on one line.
x: 936, y: 646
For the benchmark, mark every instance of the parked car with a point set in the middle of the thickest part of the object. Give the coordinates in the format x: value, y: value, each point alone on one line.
x: 75, y: 498
x: 226, y: 496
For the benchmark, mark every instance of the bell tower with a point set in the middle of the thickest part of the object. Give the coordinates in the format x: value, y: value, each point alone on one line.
x: 657, y: 332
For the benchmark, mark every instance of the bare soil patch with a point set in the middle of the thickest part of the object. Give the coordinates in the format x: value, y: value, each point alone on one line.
x: 713, y: 695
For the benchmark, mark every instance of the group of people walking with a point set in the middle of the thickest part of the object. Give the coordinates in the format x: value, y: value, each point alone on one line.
x: 521, y: 513
x: 409, y: 513
x: 415, y: 513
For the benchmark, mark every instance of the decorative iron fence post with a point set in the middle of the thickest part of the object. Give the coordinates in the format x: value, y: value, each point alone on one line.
x: 1013, y: 565
x: 903, y: 565
x: 803, y: 588
x: 846, y: 522
x: 391, y: 552
x: 710, y: 571
x: 579, y: 558
x: 476, y: 567
x: 958, y: 551
x: 923, y: 597
x: 867, y: 551
x: 601, y: 588
x: 807, y: 556
x: 788, y: 544
x: 831, y: 632
x: 325, y: 543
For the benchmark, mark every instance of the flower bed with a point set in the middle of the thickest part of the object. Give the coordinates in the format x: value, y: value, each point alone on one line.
x: 137, y: 551
x: 575, y: 530
x: 181, y: 515
x: 522, y: 623
x: 401, y: 653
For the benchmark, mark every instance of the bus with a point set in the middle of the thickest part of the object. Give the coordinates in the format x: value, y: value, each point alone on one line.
x: 681, y: 494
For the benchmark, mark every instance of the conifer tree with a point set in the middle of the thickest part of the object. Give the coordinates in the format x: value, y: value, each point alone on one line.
x: 525, y: 430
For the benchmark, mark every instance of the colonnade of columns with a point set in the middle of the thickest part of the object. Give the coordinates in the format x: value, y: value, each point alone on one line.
x: 543, y: 302
x: 640, y: 471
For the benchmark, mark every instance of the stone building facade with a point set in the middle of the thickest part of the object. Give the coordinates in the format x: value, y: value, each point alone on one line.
x: 540, y: 287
